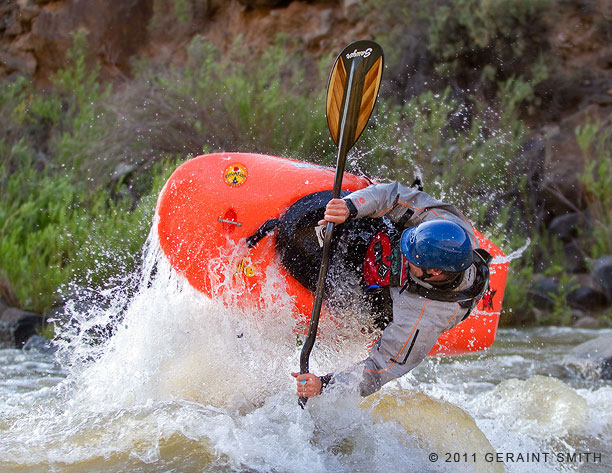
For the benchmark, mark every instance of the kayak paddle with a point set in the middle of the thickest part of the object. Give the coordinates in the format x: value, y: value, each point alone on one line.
x: 351, y: 94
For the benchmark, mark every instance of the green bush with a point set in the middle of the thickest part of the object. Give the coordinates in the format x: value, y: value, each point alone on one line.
x: 271, y: 103
x: 56, y: 225
x: 492, y: 38
x: 58, y: 123
x: 516, y: 308
x: 54, y: 232
x: 83, y: 100
x: 473, y: 165
x: 27, y: 120
x: 595, y: 142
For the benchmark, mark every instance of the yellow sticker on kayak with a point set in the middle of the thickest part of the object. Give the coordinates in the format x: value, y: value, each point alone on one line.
x: 246, y: 267
x: 235, y: 175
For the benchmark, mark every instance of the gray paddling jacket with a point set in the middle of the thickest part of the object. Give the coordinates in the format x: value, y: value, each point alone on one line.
x: 418, y: 321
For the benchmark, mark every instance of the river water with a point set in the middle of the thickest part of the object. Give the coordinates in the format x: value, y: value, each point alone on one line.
x: 185, y: 384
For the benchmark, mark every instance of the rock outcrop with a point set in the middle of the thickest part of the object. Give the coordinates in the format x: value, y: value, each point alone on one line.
x: 592, y: 359
x: 36, y: 34
x: 17, y: 326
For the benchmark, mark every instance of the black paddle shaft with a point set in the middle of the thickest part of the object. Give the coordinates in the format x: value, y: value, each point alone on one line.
x: 362, y: 63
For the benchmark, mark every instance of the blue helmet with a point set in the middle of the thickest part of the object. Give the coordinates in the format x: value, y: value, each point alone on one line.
x: 438, y: 244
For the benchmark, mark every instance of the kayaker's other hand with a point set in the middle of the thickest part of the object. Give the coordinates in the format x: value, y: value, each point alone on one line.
x: 336, y: 211
x: 308, y: 384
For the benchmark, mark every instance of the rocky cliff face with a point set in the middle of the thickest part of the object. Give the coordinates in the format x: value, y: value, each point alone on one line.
x: 35, y: 34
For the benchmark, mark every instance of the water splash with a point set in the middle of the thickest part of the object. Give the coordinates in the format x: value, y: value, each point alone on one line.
x: 172, y: 342
x: 168, y: 341
x: 512, y: 256
x: 178, y: 381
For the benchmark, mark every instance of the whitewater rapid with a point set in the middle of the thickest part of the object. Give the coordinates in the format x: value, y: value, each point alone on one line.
x: 160, y: 378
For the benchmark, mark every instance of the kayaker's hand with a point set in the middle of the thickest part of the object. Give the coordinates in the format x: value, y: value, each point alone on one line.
x: 308, y: 385
x: 336, y: 211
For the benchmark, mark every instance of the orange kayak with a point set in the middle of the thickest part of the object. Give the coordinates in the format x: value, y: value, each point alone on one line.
x: 211, y: 204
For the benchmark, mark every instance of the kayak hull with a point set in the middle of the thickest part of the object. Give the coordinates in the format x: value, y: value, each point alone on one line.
x: 212, y: 203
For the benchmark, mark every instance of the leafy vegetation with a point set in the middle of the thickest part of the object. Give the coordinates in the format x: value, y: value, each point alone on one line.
x: 595, y: 142
x: 467, y: 164
x: 82, y: 162
x: 497, y: 36
x: 55, y: 226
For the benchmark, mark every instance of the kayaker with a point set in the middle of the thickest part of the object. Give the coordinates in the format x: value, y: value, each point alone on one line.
x: 430, y: 265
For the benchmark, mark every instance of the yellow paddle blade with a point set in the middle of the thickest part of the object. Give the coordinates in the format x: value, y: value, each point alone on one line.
x: 355, y: 77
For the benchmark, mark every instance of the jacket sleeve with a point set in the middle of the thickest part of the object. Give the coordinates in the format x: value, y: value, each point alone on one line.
x: 405, y: 342
x: 405, y: 206
x: 378, y: 199
x: 417, y: 324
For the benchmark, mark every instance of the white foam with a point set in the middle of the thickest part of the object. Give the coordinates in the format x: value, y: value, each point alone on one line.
x: 184, y: 367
